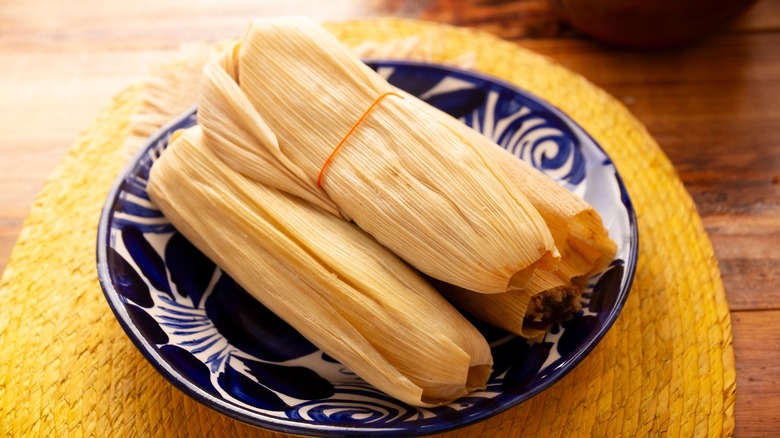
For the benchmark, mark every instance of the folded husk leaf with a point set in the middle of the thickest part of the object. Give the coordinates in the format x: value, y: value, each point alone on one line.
x: 324, y: 276
x: 275, y: 105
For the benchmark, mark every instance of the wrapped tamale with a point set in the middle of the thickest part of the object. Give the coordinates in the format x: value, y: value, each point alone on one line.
x: 331, y: 281
x: 290, y: 107
x: 550, y: 296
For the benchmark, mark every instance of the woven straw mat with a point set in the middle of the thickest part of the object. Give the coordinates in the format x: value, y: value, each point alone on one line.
x: 67, y: 367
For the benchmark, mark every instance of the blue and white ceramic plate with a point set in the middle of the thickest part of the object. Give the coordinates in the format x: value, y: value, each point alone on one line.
x: 210, y: 339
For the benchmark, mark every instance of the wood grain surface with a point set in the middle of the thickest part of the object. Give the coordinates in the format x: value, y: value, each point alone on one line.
x: 713, y: 106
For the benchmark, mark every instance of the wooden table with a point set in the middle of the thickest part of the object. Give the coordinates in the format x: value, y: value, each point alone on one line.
x: 714, y: 107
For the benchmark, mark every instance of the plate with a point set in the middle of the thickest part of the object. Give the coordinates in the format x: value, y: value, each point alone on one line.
x: 214, y: 342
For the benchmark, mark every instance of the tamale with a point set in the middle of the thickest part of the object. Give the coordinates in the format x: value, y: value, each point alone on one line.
x: 275, y: 106
x: 331, y: 281
x: 583, y: 241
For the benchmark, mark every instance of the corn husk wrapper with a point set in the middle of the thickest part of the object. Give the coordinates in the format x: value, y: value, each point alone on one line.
x: 275, y: 105
x: 328, y: 279
x: 583, y: 241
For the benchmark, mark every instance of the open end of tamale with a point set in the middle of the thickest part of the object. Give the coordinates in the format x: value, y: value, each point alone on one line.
x: 518, y: 311
x: 554, y: 305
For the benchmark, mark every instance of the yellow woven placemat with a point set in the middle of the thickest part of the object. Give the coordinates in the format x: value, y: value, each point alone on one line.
x: 666, y: 366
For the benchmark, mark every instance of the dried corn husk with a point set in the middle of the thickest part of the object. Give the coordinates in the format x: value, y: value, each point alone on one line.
x: 275, y: 105
x: 332, y: 282
x: 580, y: 236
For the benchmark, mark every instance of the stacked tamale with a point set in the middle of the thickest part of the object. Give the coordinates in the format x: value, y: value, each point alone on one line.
x: 323, y: 190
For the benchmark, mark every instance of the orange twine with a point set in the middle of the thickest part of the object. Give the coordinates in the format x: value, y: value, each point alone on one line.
x: 343, y: 140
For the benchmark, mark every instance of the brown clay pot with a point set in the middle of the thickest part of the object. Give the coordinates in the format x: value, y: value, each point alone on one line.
x: 649, y: 23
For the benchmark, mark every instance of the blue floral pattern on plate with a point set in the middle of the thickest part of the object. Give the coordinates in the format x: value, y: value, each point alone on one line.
x: 206, y: 335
